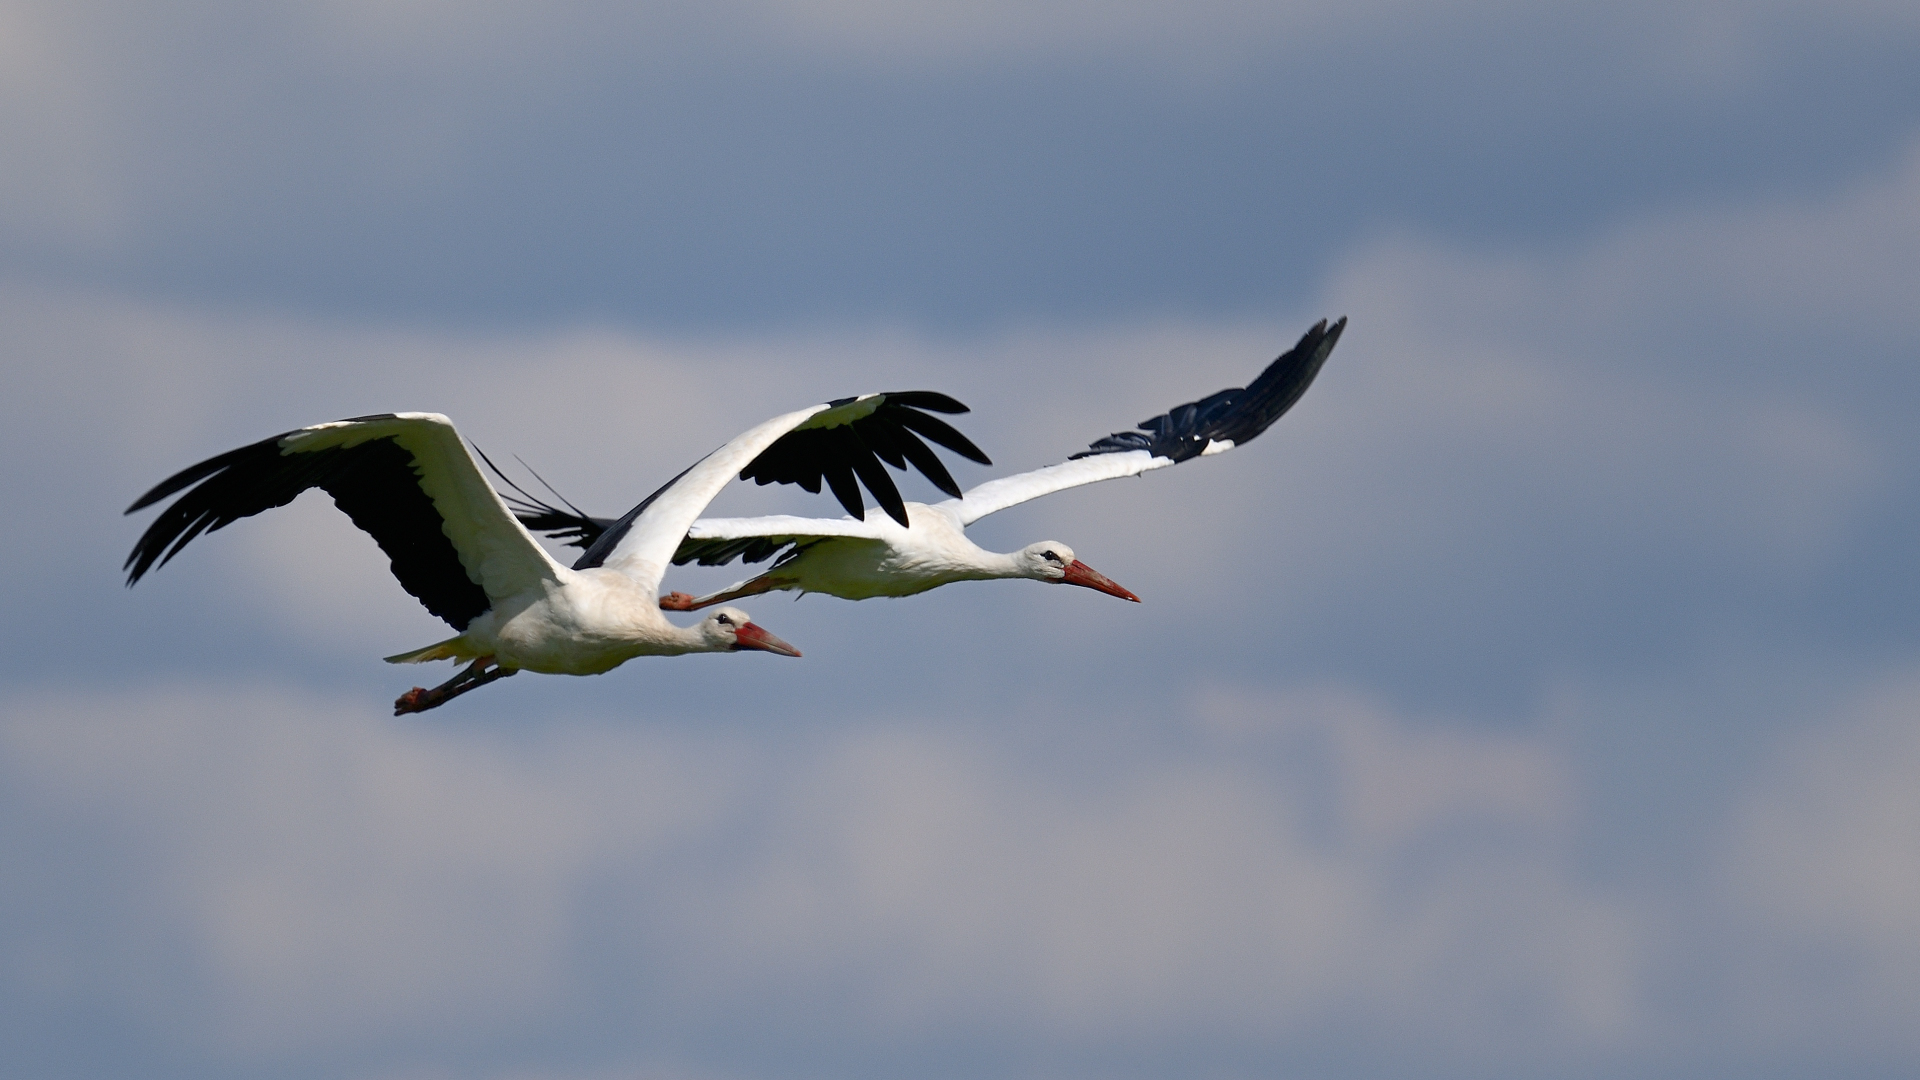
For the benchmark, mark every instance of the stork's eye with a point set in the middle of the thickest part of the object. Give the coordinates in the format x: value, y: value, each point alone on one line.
x: 1051, y: 557
x: 723, y: 620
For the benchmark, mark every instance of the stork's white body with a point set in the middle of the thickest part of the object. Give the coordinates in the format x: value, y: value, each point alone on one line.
x: 860, y: 560
x: 933, y: 550
x: 583, y: 622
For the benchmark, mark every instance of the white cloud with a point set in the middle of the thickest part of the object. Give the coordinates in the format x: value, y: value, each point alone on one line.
x: 1702, y: 37
x: 330, y: 876
x: 58, y: 156
x: 113, y: 115
x: 1703, y: 43
x: 1705, y: 380
x: 342, y: 879
x: 1822, y: 869
x: 1832, y: 266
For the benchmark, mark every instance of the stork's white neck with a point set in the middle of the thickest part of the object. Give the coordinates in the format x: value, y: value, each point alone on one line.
x: 686, y: 639
x: 979, y: 564
x: 622, y: 618
x: 1007, y: 564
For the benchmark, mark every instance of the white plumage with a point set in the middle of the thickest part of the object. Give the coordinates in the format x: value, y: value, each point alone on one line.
x: 410, y: 481
x: 857, y: 559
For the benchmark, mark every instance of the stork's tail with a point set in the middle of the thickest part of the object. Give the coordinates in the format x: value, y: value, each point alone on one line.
x: 454, y: 648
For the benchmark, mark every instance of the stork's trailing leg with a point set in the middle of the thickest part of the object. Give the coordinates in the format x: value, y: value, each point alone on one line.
x: 679, y: 601
x: 475, y: 675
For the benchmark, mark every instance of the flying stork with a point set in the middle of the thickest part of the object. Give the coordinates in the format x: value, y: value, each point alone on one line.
x: 926, y: 546
x: 410, y: 481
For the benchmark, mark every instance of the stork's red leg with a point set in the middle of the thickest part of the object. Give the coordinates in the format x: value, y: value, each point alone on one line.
x: 679, y: 601
x: 419, y: 699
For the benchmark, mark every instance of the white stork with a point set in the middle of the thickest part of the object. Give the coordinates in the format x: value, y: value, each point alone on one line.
x: 927, y: 546
x: 409, y: 480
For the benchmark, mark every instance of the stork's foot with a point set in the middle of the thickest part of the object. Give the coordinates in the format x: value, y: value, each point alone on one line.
x: 420, y: 699
x: 677, y: 601
x: 414, y: 700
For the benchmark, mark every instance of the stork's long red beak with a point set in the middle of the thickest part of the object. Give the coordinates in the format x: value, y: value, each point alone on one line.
x: 1079, y: 573
x: 751, y: 636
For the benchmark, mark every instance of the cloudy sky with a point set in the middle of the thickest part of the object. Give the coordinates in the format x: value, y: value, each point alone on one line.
x: 1541, y: 698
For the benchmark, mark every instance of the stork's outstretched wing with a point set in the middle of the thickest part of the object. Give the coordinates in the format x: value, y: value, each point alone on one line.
x: 853, y: 435
x: 406, y: 479
x: 842, y: 443
x: 839, y: 440
x: 1214, y: 424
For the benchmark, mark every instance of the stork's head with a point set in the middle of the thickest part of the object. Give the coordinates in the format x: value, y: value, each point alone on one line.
x: 1050, y: 560
x: 728, y: 629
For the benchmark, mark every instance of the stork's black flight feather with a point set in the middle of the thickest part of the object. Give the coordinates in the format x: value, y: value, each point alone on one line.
x: 845, y: 445
x: 374, y: 482
x: 842, y: 447
x: 750, y: 549
x: 1236, y: 414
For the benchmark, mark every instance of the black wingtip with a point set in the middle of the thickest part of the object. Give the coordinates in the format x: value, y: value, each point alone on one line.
x: 930, y: 400
x: 376, y: 482
x: 1236, y: 415
x: 939, y: 431
x: 855, y: 454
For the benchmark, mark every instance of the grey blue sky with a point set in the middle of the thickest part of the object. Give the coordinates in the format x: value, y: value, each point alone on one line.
x: 1541, y: 698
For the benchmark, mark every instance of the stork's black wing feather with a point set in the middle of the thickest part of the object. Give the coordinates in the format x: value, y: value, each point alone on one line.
x: 573, y: 525
x: 1236, y: 414
x: 848, y: 454
x: 374, y: 482
x: 843, y: 456
x: 943, y: 433
x: 720, y: 552
x: 577, y: 530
